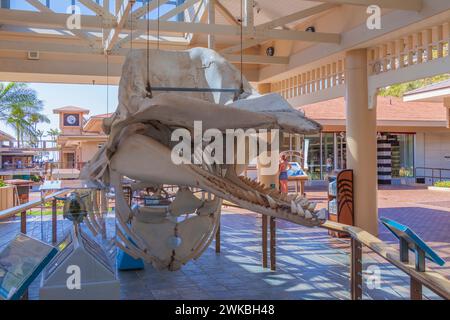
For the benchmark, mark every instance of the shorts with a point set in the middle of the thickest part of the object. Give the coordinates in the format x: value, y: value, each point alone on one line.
x: 283, y: 176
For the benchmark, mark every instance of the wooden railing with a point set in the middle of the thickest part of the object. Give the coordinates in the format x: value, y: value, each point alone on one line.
x: 326, y: 76
x: 408, y: 50
x: 411, y: 49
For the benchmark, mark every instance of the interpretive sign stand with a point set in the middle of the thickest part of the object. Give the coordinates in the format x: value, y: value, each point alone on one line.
x: 409, y: 240
x: 20, y: 263
x: 80, y: 270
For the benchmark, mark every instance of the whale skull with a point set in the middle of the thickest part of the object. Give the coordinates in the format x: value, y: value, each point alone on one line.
x: 139, y: 147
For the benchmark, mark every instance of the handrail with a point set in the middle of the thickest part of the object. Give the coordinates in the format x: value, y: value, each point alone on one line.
x: 431, y: 279
x: 439, y: 177
x: 30, y: 205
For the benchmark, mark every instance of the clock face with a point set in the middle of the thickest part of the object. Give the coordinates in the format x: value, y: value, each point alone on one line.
x: 71, y: 120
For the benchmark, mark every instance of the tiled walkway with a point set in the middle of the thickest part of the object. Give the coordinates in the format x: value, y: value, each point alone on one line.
x: 310, y: 264
x: 426, y: 212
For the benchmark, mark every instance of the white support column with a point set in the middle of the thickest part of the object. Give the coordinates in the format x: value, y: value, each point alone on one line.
x: 361, y: 141
x: 211, y: 20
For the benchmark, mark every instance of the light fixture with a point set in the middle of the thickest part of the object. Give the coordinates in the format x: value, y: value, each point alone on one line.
x: 310, y: 29
x: 270, y: 51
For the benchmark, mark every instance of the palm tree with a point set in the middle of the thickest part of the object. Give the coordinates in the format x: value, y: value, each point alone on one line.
x: 53, y: 133
x: 21, y: 109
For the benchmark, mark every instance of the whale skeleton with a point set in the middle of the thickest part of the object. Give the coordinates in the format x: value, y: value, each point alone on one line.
x: 139, y: 147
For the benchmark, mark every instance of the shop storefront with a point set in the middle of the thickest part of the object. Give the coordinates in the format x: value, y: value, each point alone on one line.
x: 326, y: 152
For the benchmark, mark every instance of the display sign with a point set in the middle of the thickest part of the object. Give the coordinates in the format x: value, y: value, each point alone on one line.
x: 71, y: 120
x: 21, y: 261
x: 414, y: 241
x: 295, y: 170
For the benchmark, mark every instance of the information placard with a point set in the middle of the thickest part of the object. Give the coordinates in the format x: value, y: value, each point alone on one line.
x: 21, y: 261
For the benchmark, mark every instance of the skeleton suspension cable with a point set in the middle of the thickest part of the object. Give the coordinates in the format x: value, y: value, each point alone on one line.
x: 241, y: 88
x: 148, y: 41
x: 148, y: 87
x: 107, y: 83
x: 157, y: 43
x: 131, y: 28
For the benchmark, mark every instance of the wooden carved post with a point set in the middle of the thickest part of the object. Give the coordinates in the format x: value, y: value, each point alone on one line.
x: 356, y: 270
x: 54, y: 222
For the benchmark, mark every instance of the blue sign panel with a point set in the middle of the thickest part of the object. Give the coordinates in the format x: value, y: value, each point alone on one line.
x: 21, y: 261
x: 404, y: 232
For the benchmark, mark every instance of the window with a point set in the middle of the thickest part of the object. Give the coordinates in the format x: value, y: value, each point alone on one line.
x: 402, y: 155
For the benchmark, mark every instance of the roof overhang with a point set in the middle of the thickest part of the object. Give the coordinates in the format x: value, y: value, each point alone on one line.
x: 437, y: 95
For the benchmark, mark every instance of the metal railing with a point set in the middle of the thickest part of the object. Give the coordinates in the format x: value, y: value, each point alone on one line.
x: 23, y: 208
x: 30, y: 145
x: 435, y: 174
x: 430, y: 279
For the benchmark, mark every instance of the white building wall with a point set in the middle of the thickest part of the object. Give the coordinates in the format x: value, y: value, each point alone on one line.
x: 432, y: 150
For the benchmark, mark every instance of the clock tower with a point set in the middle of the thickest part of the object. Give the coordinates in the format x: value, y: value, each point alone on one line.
x: 71, y: 119
x: 71, y: 123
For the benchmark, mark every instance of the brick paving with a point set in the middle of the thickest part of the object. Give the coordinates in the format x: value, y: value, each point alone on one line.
x: 424, y: 211
x: 310, y: 264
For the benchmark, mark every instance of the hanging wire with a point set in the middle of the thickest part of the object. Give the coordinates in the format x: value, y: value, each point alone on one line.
x: 157, y: 40
x: 148, y: 41
x: 131, y: 28
x: 241, y: 88
x: 107, y: 83
x: 148, y: 87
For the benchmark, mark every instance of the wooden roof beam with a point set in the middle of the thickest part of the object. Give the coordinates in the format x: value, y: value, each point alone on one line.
x: 179, y: 9
x: 142, y: 11
x: 278, y: 23
x: 296, y: 16
x: 122, y: 17
x: 410, y: 5
x: 97, y: 9
x: 226, y: 13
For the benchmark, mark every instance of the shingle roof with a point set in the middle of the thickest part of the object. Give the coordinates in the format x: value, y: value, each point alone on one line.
x: 388, y: 108
x: 70, y: 109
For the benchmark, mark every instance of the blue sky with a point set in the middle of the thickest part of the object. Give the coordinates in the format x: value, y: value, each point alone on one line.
x: 92, y: 97
x: 61, y: 6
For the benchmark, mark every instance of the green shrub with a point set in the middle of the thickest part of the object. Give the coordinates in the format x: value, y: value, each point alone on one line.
x: 35, y: 178
x: 442, y: 184
x: 2, y: 183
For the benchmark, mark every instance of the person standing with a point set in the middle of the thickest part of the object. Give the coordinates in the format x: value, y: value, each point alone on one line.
x: 283, y: 177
